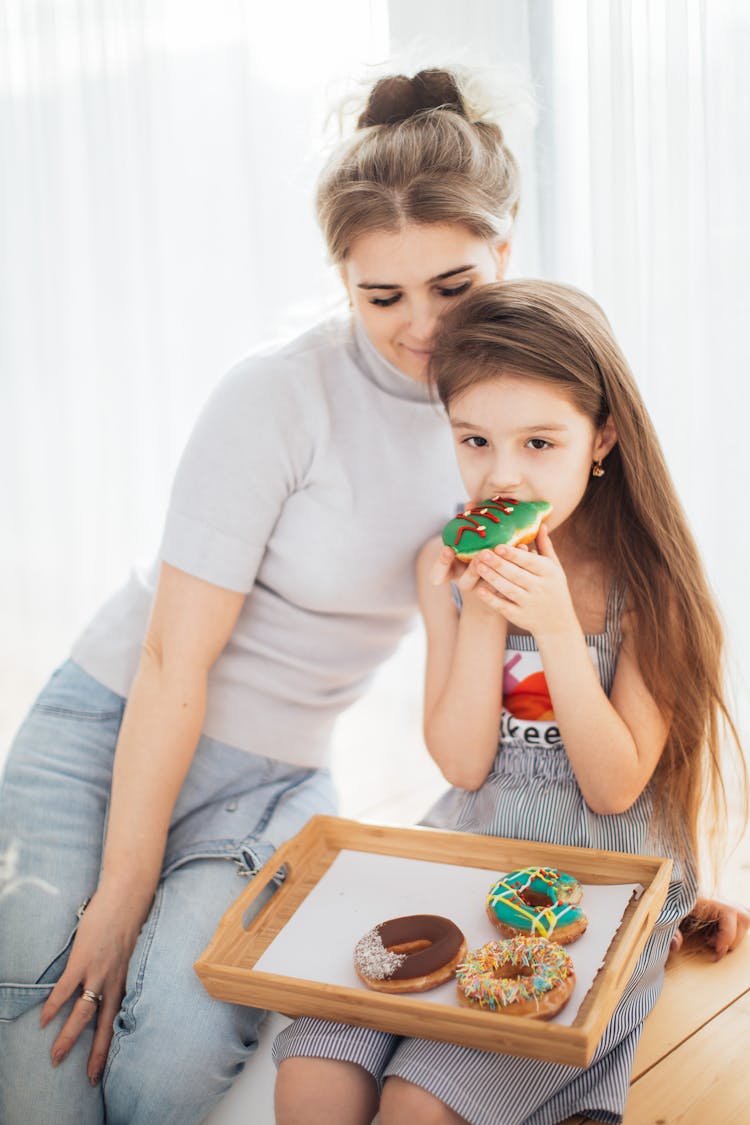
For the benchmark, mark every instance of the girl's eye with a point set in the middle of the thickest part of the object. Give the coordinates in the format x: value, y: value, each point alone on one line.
x: 475, y: 441
x: 455, y: 292
x: 384, y: 302
x: 539, y: 443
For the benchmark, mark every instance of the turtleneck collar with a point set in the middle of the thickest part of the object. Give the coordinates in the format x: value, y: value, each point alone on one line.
x: 381, y: 372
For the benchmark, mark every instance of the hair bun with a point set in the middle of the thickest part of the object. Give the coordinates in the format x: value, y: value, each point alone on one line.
x: 397, y: 97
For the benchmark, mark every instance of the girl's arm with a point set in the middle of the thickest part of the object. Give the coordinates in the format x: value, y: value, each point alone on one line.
x: 717, y: 925
x: 463, y: 680
x: 190, y: 624
x: 614, y: 743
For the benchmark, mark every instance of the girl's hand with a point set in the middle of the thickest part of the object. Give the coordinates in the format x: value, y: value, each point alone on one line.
x: 528, y: 587
x: 718, y: 926
x: 448, y: 568
x: 98, y: 964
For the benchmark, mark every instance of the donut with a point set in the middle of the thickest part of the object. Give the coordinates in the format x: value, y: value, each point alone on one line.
x: 541, y: 901
x: 410, y: 954
x: 499, y: 520
x: 521, y: 976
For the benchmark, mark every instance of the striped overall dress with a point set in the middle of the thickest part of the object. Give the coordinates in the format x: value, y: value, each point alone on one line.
x: 531, y: 794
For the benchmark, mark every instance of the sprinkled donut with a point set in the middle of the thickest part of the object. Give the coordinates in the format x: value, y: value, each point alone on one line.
x: 522, y: 976
x: 499, y: 520
x: 540, y: 901
x: 410, y: 954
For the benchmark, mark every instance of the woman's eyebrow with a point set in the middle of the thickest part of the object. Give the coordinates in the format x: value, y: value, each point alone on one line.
x: 452, y: 273
x: 438, y: 277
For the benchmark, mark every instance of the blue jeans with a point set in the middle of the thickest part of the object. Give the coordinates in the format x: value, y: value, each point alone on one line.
x: 175, y: 1050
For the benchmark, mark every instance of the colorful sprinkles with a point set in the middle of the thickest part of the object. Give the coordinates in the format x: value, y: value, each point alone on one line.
x: 536, y: 966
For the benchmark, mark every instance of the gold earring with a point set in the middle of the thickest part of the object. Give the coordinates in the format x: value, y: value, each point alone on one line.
x: 597, y: 470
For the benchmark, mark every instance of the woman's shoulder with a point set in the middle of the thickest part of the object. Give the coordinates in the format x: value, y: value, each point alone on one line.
x: 290, y: 374
x: 326, y: 343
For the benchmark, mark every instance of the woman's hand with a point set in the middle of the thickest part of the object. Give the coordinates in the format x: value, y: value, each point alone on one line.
x: 528, y: 587
x: 718, y: 926
x: 98, y: 965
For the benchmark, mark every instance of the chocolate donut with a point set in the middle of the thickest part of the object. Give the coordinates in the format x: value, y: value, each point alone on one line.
x: 410, y: 954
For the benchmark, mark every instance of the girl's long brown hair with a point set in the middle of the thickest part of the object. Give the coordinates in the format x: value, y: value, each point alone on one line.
x: 631, y: 517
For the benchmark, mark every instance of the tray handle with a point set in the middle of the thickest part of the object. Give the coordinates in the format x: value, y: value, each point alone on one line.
x: 284, y: 856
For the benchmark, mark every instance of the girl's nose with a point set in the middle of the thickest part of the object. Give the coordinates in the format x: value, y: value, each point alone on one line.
x: 505, y: 480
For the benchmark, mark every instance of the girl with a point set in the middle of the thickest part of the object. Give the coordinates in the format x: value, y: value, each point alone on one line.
x: 611, y: 706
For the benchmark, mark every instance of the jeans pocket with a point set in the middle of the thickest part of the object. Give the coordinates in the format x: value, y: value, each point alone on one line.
x: 248, y: 854
x: 71, y: 693
x: 17, y: 998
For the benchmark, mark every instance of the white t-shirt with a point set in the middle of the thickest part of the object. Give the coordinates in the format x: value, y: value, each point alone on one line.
x: 310, y: 481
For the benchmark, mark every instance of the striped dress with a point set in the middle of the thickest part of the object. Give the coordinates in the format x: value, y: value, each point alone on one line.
x: 531, y: 794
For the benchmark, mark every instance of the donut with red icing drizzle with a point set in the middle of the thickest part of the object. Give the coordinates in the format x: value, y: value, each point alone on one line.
x: 499, y: 520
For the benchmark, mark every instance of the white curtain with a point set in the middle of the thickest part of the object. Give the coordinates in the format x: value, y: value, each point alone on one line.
x: 157, y: 159
x: 658, y: 114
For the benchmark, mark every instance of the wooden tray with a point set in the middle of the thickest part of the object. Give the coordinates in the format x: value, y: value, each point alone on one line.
x: 226, y: 965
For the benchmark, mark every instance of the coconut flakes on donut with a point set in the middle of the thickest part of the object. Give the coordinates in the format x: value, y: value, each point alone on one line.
x: 373, y: 960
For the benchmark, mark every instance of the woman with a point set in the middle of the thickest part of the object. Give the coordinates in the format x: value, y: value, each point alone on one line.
x: 192, y: 725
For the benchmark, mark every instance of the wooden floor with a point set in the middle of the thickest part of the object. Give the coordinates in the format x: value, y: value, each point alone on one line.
x: 692, y: 1065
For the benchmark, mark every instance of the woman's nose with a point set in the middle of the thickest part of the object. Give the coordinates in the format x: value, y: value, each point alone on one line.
x: 423, y: 321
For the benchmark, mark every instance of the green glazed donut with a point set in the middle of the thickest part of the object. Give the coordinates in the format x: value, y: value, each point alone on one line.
x: 499, y: 520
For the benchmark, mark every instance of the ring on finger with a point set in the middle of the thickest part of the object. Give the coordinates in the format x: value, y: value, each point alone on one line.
x: 92, y: 997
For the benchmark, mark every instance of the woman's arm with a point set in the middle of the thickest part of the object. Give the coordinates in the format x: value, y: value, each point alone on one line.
x: 190, y: 624
x: 463, y: 682
x: 614, y: 743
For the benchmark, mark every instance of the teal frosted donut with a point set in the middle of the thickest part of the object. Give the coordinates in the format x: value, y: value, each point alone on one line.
x: 540, y: 901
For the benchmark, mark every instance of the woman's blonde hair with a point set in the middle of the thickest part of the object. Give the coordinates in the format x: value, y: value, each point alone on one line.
x: 631, y: 517
x: 423, y: 152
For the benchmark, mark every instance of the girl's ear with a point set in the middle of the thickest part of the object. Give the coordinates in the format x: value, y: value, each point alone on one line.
x: 502, y: 255
x: 606, y: 439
